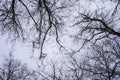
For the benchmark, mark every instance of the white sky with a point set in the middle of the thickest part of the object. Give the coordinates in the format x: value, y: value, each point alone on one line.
x: 23, y: 51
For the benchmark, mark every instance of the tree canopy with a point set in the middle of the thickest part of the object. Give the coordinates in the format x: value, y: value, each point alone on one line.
x: 91, y: 25
x: 40, y: 19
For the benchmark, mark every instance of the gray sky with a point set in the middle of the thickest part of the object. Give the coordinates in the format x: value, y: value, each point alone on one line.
x: 23, y: 51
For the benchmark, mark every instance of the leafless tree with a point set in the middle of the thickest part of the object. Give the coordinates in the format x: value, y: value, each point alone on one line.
x: 99, y: 24
x: 46, y: 19
x: 12, y: 69
x: 57, y: 71
x: 98, y: 27
x: 42, y: 14
x: 104, y: 61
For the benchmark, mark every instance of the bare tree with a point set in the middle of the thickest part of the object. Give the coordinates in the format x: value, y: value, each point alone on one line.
x: 58, y: 71
x: 98, y: 27
x: 12, y: 69
x: 104, y: 61
x: 46, y: 19
x: 42, y: 14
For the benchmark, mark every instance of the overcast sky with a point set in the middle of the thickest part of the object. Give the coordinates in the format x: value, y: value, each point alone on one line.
x: 23, y: 51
